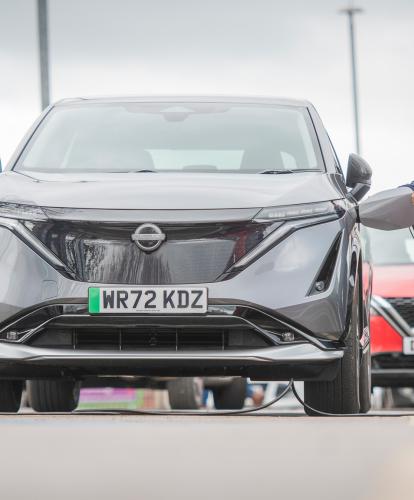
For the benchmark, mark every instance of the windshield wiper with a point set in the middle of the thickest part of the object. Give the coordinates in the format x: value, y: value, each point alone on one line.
x: 283, y: 171
x: 288, y: 171
x: 143, y: 171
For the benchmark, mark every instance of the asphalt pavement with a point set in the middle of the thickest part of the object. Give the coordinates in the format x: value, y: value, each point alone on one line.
x: 269, y: 455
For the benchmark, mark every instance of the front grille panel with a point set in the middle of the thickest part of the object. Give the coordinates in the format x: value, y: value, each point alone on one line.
x: 405, y: 307
x: 161, y: 339
x: 105, y: 252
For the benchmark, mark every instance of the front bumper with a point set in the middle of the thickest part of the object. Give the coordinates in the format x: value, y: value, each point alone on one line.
x: 279, y: 281
x: 230, y: 340
x: 302, y: 362
x: 278, y: 284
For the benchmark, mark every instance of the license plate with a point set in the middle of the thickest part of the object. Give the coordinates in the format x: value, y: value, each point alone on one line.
x: 149, y: 300
x: 408, y: 347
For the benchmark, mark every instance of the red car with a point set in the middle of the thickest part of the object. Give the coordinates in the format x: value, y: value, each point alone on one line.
x: 391, y: 254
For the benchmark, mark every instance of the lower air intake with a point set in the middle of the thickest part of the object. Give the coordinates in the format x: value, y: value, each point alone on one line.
x: 161, y: 339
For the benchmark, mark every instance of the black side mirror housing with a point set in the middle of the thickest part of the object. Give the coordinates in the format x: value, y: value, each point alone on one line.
x: 358, y: 177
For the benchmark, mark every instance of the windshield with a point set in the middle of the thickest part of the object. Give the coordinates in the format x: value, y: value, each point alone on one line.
x: 173, y: 137
x: 389, y: 247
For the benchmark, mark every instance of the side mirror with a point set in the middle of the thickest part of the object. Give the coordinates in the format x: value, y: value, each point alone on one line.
x: 388, y: 210
x: 358, y: 177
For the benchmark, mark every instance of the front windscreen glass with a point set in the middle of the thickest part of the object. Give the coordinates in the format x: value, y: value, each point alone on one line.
x: 173, y: 137
x: 389, y: 248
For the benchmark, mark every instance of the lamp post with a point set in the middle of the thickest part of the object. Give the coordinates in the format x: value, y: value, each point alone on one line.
x: 43, y: 52
x: 350, y: 12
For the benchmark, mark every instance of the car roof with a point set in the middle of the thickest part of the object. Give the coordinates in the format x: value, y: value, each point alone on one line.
x: 181, y: 98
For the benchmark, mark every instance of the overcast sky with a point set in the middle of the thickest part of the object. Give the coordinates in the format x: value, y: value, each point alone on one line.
x: 293, y: 48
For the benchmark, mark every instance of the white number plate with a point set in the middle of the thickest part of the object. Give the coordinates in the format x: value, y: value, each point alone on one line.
x: 408, y: 347
x: 150, y: 300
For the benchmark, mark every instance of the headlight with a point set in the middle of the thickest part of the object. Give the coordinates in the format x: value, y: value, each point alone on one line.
x: 11, y: 215
x: 22, y: 212
x: 303, y: 211
x: 294, y: 217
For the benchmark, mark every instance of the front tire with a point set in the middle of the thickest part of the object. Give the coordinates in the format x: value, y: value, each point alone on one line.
x: 61, y: 395
x: 340, y: 395
x: 10, y: 395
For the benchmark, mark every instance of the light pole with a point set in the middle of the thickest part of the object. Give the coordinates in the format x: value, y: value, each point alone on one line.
x: 43, y: 52
x: 350, y: 12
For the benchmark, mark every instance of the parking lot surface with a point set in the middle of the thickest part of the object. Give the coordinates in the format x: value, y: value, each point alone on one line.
x: 206, y: 457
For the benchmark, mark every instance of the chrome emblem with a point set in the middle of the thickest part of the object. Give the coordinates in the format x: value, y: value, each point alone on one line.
x: 148, y: 237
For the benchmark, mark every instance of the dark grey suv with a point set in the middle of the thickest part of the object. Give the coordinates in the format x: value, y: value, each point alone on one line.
x: 181, y: 237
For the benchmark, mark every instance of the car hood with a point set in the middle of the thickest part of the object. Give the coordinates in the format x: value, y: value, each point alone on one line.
x: 165, y: 191
x: 393, y: 281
